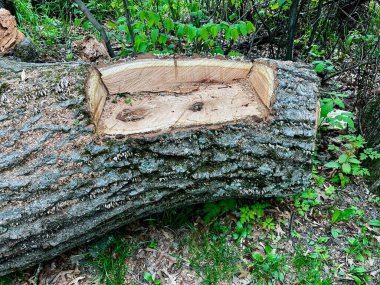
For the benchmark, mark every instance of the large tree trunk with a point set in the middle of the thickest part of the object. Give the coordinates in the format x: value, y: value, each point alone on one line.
x: 370, y: 127
x: 74, y: 167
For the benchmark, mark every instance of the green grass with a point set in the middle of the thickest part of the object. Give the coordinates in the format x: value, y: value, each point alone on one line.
x: 109, y: 258
x: 212, y: 256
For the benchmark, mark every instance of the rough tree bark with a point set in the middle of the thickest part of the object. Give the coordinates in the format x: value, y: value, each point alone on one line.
x: 370, y: 127
x: 64, y: 182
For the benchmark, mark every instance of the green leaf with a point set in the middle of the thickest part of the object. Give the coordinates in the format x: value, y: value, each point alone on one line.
x: 250, y: 27
x: 153, y: 19
x: 319, y: 67
x: 332, y: 164
x: 180, y: 30
x: 339, y: 103
x: 326, y: 107
x: 234, y: 33
x: 86, y: 25
x: 143, y: 15
x: 214, y: 30
x: 335, y: 216
x: 243, y: 28
x: 346, y: 168
x: 374, y: 223
x: 258, y: 257
x: 343, y: 158
x: 190, y: 32
x: 204, y: 33
x: 162, y: 39
x: 354, y: 161
x: 168, y: 24
x: 343, y: 215
x: 335, y: 232
x: 148, y: 276
x: 78, y: 22
x: 274, y: 6
x: 154, y: 35
x: 349, y: 40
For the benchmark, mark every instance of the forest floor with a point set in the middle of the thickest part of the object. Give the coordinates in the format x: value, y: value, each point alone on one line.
x: 327, y: 235
x: 285, y: 245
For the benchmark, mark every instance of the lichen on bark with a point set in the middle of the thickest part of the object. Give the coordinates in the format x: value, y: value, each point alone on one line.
x: 63, y: 185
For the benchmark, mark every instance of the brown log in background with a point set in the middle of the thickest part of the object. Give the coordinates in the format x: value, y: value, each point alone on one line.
x: 63, y: 183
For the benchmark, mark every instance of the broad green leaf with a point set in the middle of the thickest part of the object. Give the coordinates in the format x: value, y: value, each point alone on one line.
x: 250, y: 27
x: 78, y: 22
x: 153, y: 19
x: 346, y: 168
x: 258, y: 257
x: 335, y: 232
x: 214, y: 30
x: 374, y: 223
x: 148, y: 276
x: 343, y: 158
x: 339, y: 103
x: 349, y: 40
x: 204, y: 33
x: 354, y: 160
x: 154, y: 35
x: 335, y: 216
x: 326, y: 107
x: 243, y: 28
x: 275, y: 6
x: 234, y: 33
x: 180, y: 30
x: 143, y: 15
x: 162, y: 39
x: 332, y: 164
x: 86, y: 25
x: 168, y: 24
x: 190, y: 32
x: 319, y: 67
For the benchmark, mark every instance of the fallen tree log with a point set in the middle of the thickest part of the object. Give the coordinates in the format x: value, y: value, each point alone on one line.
x: 370, y: 127
x: 83, y: 153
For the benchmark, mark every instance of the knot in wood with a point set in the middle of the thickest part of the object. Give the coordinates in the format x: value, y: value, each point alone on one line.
x: 197, y: 106
x: 128, y: 115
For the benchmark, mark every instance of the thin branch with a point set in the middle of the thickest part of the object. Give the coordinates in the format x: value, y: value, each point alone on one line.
x: 292, y: 29
x: 129, y: 23
x: 96, y: 24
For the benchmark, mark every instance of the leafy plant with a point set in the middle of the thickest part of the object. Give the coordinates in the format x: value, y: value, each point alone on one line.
x: 343, y: 215
x: 328, y: 104
x: 250, y: 214
x: 242, y: 231
x: 213, y: 210
x: 149, y: 277
x: 306, y: 200
x: 348, y: 161
x: 268, y: 268
x: 310, y: 266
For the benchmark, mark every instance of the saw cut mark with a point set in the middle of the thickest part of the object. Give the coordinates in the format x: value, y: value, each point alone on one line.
x: 167, y: 95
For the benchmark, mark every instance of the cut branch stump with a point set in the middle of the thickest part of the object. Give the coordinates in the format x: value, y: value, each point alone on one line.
x: 85, y: 150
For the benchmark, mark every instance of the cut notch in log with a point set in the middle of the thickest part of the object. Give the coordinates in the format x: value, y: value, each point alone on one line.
x: 175, y: 94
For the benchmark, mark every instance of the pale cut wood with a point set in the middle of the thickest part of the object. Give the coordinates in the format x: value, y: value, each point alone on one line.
x: 157, y: 75
x: 173, y: 94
